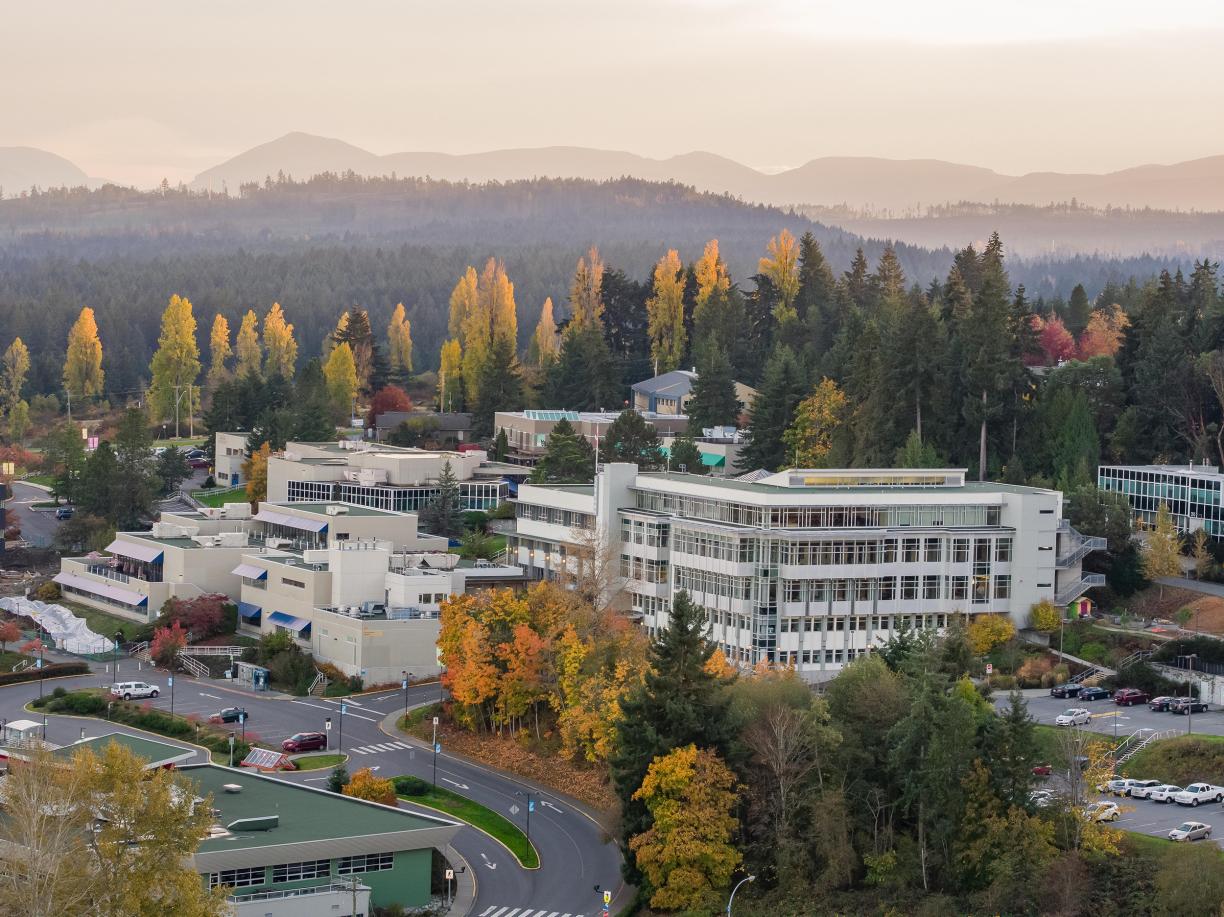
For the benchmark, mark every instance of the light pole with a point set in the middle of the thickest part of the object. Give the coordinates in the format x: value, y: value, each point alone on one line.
x: 436, y: 748
x: 343, y: 710
x: 734, y: 890
x: 530, y: 808
x: 405, y: 687
x: 171, y: 680
x: 1190, y: 700
x: 42, y: 676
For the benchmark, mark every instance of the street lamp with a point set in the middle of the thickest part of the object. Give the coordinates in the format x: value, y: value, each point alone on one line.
x: 1190, y: 706
x: 405, y: 687
x: 734, y: 890
x: 530, y: 808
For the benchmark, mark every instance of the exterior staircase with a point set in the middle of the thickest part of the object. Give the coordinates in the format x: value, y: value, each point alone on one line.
x: 1137, y: 741
x: 319, y: 685
x: 191, y: 666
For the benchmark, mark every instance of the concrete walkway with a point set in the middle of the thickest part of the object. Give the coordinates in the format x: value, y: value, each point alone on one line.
x: 1194, y: 585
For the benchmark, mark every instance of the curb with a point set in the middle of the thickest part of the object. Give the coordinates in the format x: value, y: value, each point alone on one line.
x: 452, y: 855
x: 412, y: 800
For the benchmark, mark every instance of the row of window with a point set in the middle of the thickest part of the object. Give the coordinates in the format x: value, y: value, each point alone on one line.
x: 890, y: 588
x: 732, y: 587
x: 247, y: 876
x: 650, y: 534
x: 473, y: 495
x: 889, y: 550
x: 571, y: 519
x: 649, y: 571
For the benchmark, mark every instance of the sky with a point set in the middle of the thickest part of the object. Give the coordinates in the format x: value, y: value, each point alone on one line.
x: 137, y: 91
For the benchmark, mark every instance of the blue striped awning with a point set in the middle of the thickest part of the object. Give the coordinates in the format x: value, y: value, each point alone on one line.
x: 295, y: 624
x: 249, y: 612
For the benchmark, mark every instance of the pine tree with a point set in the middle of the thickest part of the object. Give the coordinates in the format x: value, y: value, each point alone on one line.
x: 83, y: 376
x: 500, y: 387
x: 568, y: 458
x: 781, y: 266
x: 915, y: 360
x: 584, y: 376
x: 685, y: 456
x: 857, y: 281
x: 247, y: 347
x: 782, y: 388
x: 501, y: 446
x: 399, y: 344
x: 64, y: 454
x: 1076, y: 446
x: 219, y: 352
x: 312, y: 405
x: 341, y: 375
x: 678, y: 702
x: 132, y: 499
x: 665, y: 311
x: 712, y: 402
x: 630, y: 438
x: 443, y: 516
x: 988, y: 360
x: 816, y: 302
x: 917, y: 454
x: 176, y: 364
x: 1079, y: 310
x: 278, y: 342
x: 888, y: 285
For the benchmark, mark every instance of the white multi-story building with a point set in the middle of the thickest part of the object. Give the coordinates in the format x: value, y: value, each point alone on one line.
x: 809, y: 568
x: 229, y: 452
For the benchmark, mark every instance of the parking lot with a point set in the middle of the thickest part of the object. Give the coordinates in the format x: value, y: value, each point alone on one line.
x: 1107, y: 717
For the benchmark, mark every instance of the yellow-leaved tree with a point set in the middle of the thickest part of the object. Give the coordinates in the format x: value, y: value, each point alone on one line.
x: 543, y: 348
x: 818, y: 417
x: 279, y: 346
x: 340, y: 371
x: 686, y: 855
x: 586, y: 291
x: 364, y: 785
x: 450, y: 377
x: 176, y: 364
x: 1162, y: 548
x: 1044, y: 617
x: 16, y: 366
x: 255, y: 470
x: 219, y: 352
x: 781, y: 266
x: 247, y: 347
x: 665, y: 313
x: 399, y: 341
x: 987, y: 631
x: 83, y: 376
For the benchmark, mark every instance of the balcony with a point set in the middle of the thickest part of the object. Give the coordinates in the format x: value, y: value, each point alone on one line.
x: 1072, y: 591
x: 108, y: 572
x: 333, y: 896
x: 1074, y: 547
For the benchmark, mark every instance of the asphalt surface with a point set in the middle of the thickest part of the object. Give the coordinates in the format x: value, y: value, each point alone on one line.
x: 575, y: 853
x: 37, y: 527
x: 1109, y: 718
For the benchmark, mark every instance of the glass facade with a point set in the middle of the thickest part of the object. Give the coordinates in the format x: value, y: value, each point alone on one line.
x: 474, y: 495
x: 1193, y: 495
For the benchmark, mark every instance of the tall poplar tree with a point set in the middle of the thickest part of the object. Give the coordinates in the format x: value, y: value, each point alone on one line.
x: 544, y: 347
x: 247, y: 347
x: 586, y: 291
x: 781, y: 266
x: 359, y: 336
x: 665, y: 310
x: 450, y: 377
x: 15, y: 369
x: 279, y: 345
x: 83, y: 375
x: 399, y: 343
x: 176, y: 364
x: 340, y: 371
x: 219, y: 352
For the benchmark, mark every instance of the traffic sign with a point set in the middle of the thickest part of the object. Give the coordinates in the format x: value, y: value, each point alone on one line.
x: 438, y: 748
x: 170, y: 681
x: 514, y: 810
x: 343, y: 709
x: 531, y: 805
x: 450, y: 874
x: 989, y: 668
x: 607, y: 898
x: 327, y: 724
x: 404, y: 684
x: 435, y: 721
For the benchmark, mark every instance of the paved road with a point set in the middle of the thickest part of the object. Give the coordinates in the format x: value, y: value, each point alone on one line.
x: 1194, y: 585
x: 37, y: 527
x: 575, y: 853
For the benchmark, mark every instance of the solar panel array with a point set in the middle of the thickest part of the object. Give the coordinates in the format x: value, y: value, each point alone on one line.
x: 263, y: 758
x: 554, y: 416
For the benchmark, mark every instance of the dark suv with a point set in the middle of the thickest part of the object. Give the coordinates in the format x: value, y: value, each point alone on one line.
x: 1187, y: 705
x: 305, y: 741
x: 1067, y: 690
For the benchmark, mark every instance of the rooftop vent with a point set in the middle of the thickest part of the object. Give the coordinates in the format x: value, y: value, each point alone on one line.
x: 256, y: 823
x: 232, y: 787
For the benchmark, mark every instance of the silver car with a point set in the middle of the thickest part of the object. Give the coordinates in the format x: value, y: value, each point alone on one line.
x: 1190, y: 831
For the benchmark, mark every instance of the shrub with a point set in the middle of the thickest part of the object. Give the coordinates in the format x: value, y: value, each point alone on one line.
x: 47, y: 592
x: 210, y: 482
x: 1033, y: 670
x: 365, y: 785
x: 410, y: 786
x: 54, y: 670
x: 59, y: 692
x: 1044, y: 617
x: 1003, y: 682
x: 1094, y: 652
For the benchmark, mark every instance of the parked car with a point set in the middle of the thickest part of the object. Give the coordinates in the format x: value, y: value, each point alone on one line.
x: 64, y: 512
x: 1076, y: 716
x: 305, y: 741
x: 1119, y: 786
x: 1127, y: 697
x: 1066, y: 690
x: 1161, y: 703
x: 1042, y: 770
x: 230, y: 715
x: 201, y: 462
x: 1138, y: 789
x: 1041, y: 798
x: 129, y: 689
x: 1187, y: 705
x: 1197, y: 793
x: 1093, y: 693
x: 1102, y: 811
x: 1190, y: 831
x: 1164, y: 793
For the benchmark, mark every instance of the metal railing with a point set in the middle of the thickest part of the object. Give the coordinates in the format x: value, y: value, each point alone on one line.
x: 1140, y: 656
x: 1077, y: 546
x: 279, y: 893
x: 198, y: 669
x: 215, y: 650
x: 1073, y: 591
x: 1085, y: 675
x: 1131, y: 746
x: 320, y: 681
x: 139, y: 650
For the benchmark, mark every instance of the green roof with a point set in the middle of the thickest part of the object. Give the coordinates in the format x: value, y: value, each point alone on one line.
x: 156, y: 753
x: 971, y: 487
x: 351, y: 509
x: 303, y: 813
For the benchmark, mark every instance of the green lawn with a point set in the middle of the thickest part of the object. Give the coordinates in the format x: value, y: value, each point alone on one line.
x: 214, y: 498
x: 8, y: 659
x: 45, y: 480
x: 483, y: 818
x: 418, y: 716
x: 1179, y: 760
x: 318, y: 762
x: 102, y: 624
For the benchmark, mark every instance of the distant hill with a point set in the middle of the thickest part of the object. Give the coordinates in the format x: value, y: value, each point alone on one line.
x: 890, y: 185
x: 23, y: 168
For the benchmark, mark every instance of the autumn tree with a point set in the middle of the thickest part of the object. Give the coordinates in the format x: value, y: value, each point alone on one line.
x: 14, y: 368
x: 279, y: 346
x: 810, y: 437
x: 255, y: 470
x: 586, y: 297
x: 167, y: 643
x: 1044, y: 617
x: 219, y: 352
x: 340, y: 371
x: 717, y: 321
x: 781, y: 266
x: 687, y: 855
x: 364, y: 785
x: 544, y: 347
x: 1162, y: 548
x: 1056, y: 341
x: 399, y: 342
x: 247, y: 347
x: 665, y: 314
x: 450, y: 377
x: 357, y: 333
x: 1103, y: 336
x: 987, y: 631
x: 83, y: 374
x: 390, y: 398
x: 10, y: 632
x: 176, y: 364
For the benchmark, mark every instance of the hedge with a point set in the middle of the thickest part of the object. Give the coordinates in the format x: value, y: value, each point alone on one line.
x: 55, y: 670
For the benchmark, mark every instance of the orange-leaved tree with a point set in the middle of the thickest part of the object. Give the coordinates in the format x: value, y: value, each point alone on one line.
x: 365, y: 785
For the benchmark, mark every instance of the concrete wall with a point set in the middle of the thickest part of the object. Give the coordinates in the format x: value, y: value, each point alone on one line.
x: 229, y: 452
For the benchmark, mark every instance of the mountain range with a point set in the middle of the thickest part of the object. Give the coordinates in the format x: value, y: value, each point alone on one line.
x: 888, y: 187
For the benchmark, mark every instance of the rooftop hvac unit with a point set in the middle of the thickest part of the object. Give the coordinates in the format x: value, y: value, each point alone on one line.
x: 233, y: 539
x: 277, y: 542
x: 334, y: 509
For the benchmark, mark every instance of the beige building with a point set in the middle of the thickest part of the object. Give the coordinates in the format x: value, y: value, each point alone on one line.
x: 669, y: 393
x: 229, y: 452
x: 527, y: 431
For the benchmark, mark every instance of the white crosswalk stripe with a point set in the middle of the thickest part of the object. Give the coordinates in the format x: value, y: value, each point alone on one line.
x: 360, y: 751
x: 494, y: 911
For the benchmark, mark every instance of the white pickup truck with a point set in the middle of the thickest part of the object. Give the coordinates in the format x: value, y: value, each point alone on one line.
x: 1196, y: 793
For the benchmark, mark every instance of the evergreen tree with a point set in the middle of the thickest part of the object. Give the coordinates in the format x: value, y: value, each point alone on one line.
x: 678, y: 702
x: 712, y: 402
x: 64, y: 454
x: 816, y: 302
x: 99, y: 478
x: 685, y: 456
x: 782, y: 388
x: 917, y: 454
x: 1079, y: 310
x: 625, y: 323
x: 988, y: 370
x: 584, y: 376
x: 358, y: 334
x: 568, y: 458
x: 312, y: 405
x: 443, y: 515
x: 857, y: 281
x: 630, y: 438
x: 1077, y: 448
x: 501, y: 446
x: 132, y: 500
x: 499, y: 387
x: 914, y: 364
x: 172, y: 470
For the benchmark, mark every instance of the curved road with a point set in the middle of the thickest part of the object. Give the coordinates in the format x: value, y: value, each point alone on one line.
x: 576, y: 855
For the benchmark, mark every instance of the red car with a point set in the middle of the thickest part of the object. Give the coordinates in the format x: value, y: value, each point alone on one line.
x: 305, y: 741
x: 1129, y: 696
x: 1043, y: 770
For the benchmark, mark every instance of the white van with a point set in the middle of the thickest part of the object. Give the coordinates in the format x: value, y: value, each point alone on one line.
x: 129, y: 689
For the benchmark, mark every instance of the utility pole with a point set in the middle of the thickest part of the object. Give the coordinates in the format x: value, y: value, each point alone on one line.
x: 436, y: 748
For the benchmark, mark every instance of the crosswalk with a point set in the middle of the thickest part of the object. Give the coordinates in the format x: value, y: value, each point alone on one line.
x: 495, y: 911
x: 375, y: 748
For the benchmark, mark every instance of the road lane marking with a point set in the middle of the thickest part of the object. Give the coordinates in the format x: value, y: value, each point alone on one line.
x: 304, y: 704
x: 462, y: 786
x: 213, y: 696
x: 504, y: 909
x: 358, y: 750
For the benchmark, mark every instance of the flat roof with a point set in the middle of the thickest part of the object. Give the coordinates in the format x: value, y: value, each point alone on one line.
x: 156, y: 753
x: 979, y: 487
x: 1202, y: 471
x: 350, y: 509
x: 303, y: 813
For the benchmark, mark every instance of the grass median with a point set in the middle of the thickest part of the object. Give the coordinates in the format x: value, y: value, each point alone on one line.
x: 414, y: 789
x: 318, y: 762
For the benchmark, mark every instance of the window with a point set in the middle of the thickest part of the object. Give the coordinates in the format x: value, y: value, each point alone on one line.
x: 238, y: 878
x: 370, y: 862
x: 909, y: 587
x: 930, y: 587
x: 909, y: 550
x: 293, y: 582
x: 292, y: 872
x: 1002, y: 588
x: 960, y: 550
x: 1003, y: 550
x: 934, y: 550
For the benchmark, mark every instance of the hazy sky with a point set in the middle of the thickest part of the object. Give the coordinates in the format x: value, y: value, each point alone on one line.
x: 134, y: 91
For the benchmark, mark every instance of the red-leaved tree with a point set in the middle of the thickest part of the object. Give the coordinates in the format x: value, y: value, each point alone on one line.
x: 1056, y: 341
x: 9, y: 633
x: 388, y: 399
x: 166, y: 643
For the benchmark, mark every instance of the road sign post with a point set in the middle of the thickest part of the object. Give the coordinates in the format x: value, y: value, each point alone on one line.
x: 327, y: 733
x: 437, y: 748
x: 343, y: 710
x: 171, y: 680
x: 242, y: 720
x: 231, y: 749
